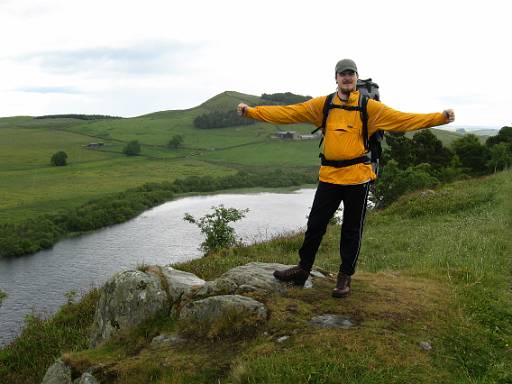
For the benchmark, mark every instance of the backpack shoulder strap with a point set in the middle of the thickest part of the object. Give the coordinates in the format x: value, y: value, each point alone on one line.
x: 327, y: 107
x: 363, y: 103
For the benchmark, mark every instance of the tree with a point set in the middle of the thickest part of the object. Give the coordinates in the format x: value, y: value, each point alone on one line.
x: 132, y: 148
x: 501, y: 157
x: 175, y: 142
x: 59, y: 159
x: 400, y: 149
x: 473, y: 155
x: 427, y: 148
x: 215, y: 226
x: 503, y: 136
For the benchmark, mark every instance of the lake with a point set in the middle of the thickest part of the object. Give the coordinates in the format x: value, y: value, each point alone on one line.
x: 158, y: 236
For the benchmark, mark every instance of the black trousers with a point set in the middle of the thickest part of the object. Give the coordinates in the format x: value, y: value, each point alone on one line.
x: 328, y: 198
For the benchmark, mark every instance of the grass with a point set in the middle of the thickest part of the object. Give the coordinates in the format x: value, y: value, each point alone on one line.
x: 432, y: 269
x: 43, y: 340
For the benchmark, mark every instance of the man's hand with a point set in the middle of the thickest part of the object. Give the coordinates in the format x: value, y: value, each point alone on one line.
x: 449, y: 115
x: 242, y: 109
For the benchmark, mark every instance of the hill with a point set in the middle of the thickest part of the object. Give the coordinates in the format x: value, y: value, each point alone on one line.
x: 32, y: 186
x: 431, y: 303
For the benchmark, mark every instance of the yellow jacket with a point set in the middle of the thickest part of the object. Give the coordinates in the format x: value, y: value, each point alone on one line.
x: 343, y: 130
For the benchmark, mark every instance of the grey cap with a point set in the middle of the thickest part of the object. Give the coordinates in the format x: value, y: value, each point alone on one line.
x: 345, y: 65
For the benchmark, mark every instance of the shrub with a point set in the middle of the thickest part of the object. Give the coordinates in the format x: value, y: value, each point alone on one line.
x: 394, y: 182
x: 215, y: 226
x: 175, y: 142
x: 132, y: 148
x: 59, y: 158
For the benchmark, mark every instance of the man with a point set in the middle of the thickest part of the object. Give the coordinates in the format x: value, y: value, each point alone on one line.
x: 348, y: 183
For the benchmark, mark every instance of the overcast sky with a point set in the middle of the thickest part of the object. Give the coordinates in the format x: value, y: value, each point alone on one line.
x: 128, y: 58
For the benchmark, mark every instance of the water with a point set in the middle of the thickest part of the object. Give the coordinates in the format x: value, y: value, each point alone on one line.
x: 158, y: 236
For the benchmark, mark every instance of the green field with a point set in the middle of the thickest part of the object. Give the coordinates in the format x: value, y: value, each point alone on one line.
x: 29, y: 185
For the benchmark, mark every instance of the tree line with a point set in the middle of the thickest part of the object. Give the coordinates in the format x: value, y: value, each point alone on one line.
x: 35, y: 234
x: 285, y: 98
x: 78, y: 116
x: 220, y: 119
x: 423, y: 161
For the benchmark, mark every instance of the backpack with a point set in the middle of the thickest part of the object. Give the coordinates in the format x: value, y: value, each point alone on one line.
x: 367, y: 90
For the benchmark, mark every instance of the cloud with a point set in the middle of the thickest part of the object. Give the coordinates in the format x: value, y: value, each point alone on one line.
x: 50, y: 89
x: 144, y: 58
x: 463, y: 100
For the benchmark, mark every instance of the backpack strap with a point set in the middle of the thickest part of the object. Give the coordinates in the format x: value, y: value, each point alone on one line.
x: 327, y: 106
x: 363, y: 105
x: 344, y: 163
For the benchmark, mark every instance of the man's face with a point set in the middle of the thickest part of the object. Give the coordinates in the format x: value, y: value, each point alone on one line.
x: 347, y: 81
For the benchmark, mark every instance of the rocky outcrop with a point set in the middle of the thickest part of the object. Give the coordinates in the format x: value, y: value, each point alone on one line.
x: 222, y: 315
x: 132, y: 297
x: 251, y: 277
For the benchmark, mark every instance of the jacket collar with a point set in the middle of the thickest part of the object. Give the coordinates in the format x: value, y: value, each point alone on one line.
x: 352, y: 99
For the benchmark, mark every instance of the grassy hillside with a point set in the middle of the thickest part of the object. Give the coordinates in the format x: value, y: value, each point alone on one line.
x: 30, y: 185
x: 433, y: 268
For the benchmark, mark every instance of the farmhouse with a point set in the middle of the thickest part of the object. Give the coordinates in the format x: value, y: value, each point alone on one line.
x: 94, y: 145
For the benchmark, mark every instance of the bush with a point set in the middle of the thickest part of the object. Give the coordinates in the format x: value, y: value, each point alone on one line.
x: 394, y: 182
x: 132, y: 148
x: 175, y: 142
x: 221, y: 119
x: 215, y: 226
x: 59, y: 159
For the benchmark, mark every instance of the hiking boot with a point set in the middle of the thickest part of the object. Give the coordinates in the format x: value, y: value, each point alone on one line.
x: 295, y: 275
x: 342, y: 286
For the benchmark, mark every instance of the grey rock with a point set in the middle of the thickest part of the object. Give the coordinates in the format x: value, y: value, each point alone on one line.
x: 332, y: 321
x: 181, y: 285
x: 166, y: 340
x: 317, y: 274
x: 58, y: 373
x: 251, y: 277
x: 282, y: 338
x: 213, y: 309
x: 127, y: 299
x: 132, y: 297
x: 427, y: 193
x: 86, y: 378
x: 425, y: 345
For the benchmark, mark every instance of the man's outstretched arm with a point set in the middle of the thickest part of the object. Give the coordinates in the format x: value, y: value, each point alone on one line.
x: 307, y: 112
x: 382, y: 117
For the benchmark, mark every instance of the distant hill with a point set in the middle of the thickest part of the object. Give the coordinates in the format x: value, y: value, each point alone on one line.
x: 475, y: 130
x: 223, y: 101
